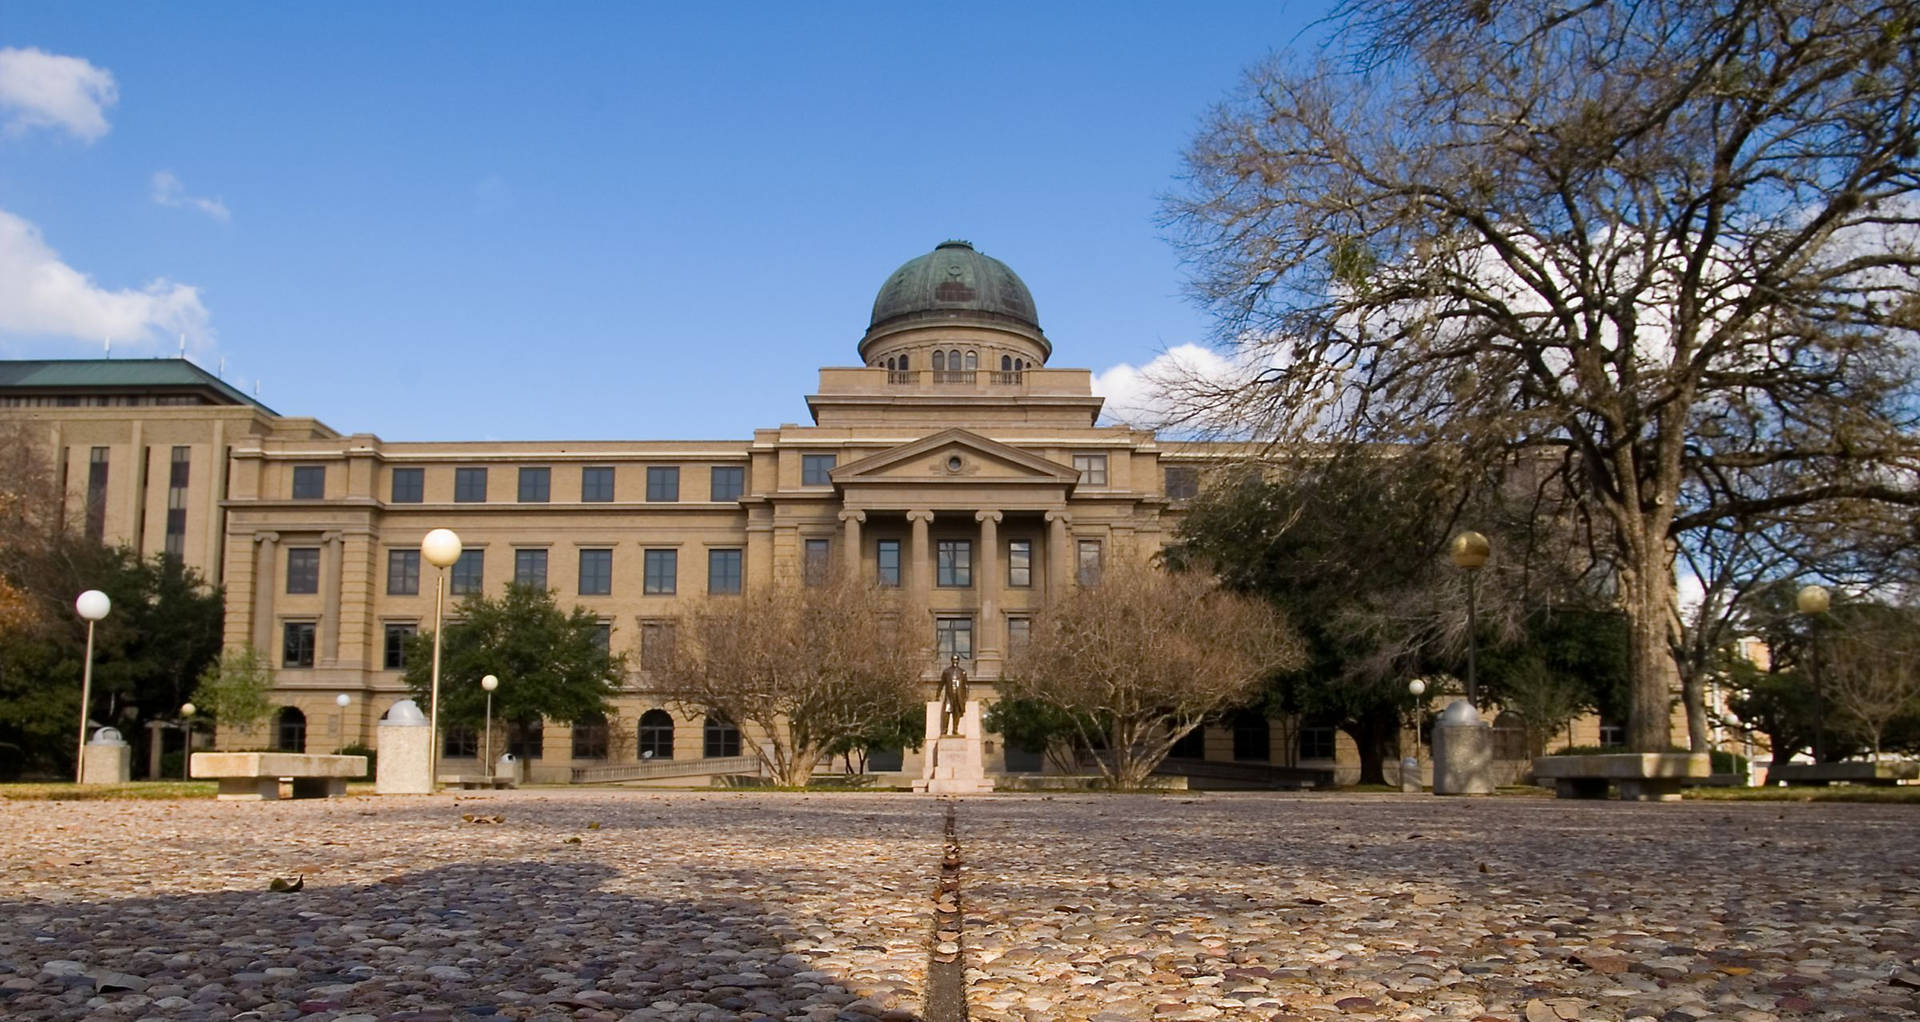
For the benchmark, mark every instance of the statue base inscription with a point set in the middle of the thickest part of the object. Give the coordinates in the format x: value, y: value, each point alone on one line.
x: 955, y: 763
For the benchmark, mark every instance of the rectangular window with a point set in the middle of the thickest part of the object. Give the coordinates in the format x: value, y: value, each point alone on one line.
x: 603, y: 637
x: 178, y: 472
x: 1612, y: 731
x: 723, y: 572
x: 97, y: 494
x: 395, y: 653
x: 530, y: 568
x: 954, y: 563
x: 590, y: 740
x: 813, y: 561
x: 656, y: 645
x: 296, y: 649
x: 1019, y: 630
x: 1020, y: 563
x: 403, y: 572
x: 1092, y: 469
x: 596, y: 484
x: 527, y: 741
x: 1182, y: 483
x: 409, y: 486
x: 470, y: 485
x: 953, y: 636
x: 469, y: 573
x: 535, y: 485
x: 1317, y: 742
x: 1089, y: 562
x: 309, y: 482
x: 660, y: 572
x: 663, y: 484
x: 596, y: 572
x: 303, y: 569
x: 886, y: 555
x: 459, y: 741
x: 816, y: 469
x: 727, y: 482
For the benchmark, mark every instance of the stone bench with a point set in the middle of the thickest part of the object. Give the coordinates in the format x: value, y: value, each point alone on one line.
x: 472, y: 781
x: 1822, y: 774
x: 257, y: 775
x: 1640, y: 777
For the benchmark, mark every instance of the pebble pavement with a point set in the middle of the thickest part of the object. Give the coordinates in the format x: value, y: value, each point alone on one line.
x: 701, y: 907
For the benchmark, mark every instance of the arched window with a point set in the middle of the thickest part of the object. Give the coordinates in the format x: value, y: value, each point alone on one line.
x: 290, y: 730
x: 1192, y: 745
x: 656, y: 735
x: 1019, y: 365
x: 890, y: 365
x: 973, y: 361
x: 1006, y: 363
x: 903, y: 363
x: 939, y: 361
x: 1250, y: 741
x: 953, y: 360
x: 722, y: 739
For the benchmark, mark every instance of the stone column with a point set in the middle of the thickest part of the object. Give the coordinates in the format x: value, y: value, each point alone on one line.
x: 136, y: 490
x: 1059, y: 557
x: 330, y: 598
x: 851, y: 542
x: 214, y: 472
x: 759, y: 567
x: 920, y: 558
x: 988, y: 580
x: 266, y: 549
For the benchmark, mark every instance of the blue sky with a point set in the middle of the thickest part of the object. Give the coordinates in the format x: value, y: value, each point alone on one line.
x: 620, y: 221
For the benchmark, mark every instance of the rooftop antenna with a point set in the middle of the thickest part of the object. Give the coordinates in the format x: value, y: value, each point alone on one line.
x: 183, y: 345
x: 108, y: 341
x: 256, y: 388
x: 223, y: 367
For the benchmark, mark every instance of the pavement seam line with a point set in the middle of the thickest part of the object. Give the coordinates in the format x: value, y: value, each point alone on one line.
x: 946, y: 999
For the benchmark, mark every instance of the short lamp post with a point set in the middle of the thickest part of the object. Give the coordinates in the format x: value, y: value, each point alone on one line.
x: 1415, y: 688
x: 441, y: 548
x: 92, y: 605
x: 486, y: 737
x: 1469, y: 552
x: 187, y: 710
x: 1814, y: 601
x: 342, y: 701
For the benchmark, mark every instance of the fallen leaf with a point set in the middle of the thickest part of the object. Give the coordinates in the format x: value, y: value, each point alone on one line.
x: 285, y: 886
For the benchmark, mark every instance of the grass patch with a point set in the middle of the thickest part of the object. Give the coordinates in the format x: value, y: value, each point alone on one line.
x: 1906, y: 794
x: 69, y: 792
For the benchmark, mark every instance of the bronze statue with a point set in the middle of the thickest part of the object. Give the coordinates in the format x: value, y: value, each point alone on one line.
x: 953, y: 697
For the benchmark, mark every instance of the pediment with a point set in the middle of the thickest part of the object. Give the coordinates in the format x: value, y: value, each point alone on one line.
x: 955, y: 456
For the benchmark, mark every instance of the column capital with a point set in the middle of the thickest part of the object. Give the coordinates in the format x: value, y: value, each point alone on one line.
x: 920, y: 515
x: 988, y: 516
x: 853, y: 516
x: 266, y: 537
x: 1064, y: 517
x: 331, y: 537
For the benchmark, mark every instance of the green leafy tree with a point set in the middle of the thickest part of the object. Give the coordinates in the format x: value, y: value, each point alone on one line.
x: 549, y: 661
x: 907, y: 731
x: 234, y: 691
x: 1038, y: 724
x: 1564, y: 662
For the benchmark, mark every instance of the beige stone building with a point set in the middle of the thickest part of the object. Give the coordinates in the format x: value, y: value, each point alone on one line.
x: 952, y: 460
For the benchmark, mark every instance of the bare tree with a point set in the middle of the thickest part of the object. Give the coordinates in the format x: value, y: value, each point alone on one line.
x: 805, y: 666
x: 1873, y: 672
x: 1146, y: 656
x: 1671, y: 241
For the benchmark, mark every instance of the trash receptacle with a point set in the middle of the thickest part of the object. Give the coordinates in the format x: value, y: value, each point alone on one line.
x: 1462, y: 752
x: 507, y: 769
x: 404, y: 765
x: 108, y: 758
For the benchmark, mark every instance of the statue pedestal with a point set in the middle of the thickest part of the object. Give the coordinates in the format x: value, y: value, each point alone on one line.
x: 955, y: 763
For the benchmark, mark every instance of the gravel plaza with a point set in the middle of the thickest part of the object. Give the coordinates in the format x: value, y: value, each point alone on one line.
x: 597, y: 904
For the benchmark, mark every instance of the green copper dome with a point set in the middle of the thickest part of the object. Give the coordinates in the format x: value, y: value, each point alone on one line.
x: 954, y: 282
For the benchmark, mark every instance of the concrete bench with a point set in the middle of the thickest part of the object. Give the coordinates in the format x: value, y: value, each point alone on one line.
x: 472, y: 781
x: 257, y: 775
x: 1822, y: 774
x: 1640, y: 777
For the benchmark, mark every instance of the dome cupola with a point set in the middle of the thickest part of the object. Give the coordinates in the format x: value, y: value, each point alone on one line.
x: 952, y: 297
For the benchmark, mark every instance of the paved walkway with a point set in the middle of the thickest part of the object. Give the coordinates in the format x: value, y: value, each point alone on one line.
x: 697, y: 907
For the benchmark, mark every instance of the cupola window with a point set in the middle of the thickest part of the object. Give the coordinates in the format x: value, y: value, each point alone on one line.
x: 973, y: 361
x: 939, y: 361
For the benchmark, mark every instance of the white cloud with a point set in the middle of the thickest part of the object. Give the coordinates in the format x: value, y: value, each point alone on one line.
x: 168, y: 191
x: 42, y: 90
x: 42, y: 296
x: 1153, y: 395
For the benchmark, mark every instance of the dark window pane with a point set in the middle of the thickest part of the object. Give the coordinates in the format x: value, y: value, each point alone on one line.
x: 303, y: 570
x: 721, y: 739
x: 1251, y: 738
x: 816, y: 469
x: 530, y: 568
x: 1020, y: 563
x: 661, y: 569
x: 887, y: 556
x: 596, y: 483
x: 409, y: 486
x: 534, y: 484
x: 459, y: 741
x: 596, y: 572
x: 1182, y: 483
x: 296, y: 649
x: 1089, y: 562
x: 723, y: 572
x: 814, y: 561
x: 1019, y: 630
x: 468, y: 574
x: 309, y: 482
x: 728, y: 482
x: 470, y: 485
x: 603, y: 637
x: 526, y: 740
x: 953, y: 636
x: 403, y: 572
x: 663, y: 483
x: 590, y: 740
x: 1317, y: 741
x: 97, y: 494
x: 656, y: 735
x: 289, y: 730
x: 954, y: 559
x: 394, y: 656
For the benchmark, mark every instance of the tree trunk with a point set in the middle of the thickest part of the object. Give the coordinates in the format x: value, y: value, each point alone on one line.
x: 1373, y: 734
x: 1646, y: 597
x: 1694, y: 692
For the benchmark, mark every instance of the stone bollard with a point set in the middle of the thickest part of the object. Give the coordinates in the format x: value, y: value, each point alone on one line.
x: 404, y: 765
x: 1462, y: 752
x: 108, y: 759
x: 507, y: 768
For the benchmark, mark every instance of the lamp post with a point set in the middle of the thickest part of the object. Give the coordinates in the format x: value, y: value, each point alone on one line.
x: 441, y: 548
x: 340, y: 720
x: 187, y: 710
x: 486, y: 737
x: 1814, y: 601
x: 92, y: 605
x: 1415, y: 688
x: 1469, y: 552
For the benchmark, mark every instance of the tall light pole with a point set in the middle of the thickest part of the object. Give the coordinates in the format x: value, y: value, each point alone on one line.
x: 441, y: 548
x: 486, y: 737
x: 187, y: 710
x: 92, y: 605
x: 1469, y: 552
x: 1813, y: 601
x: 340, y: 721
